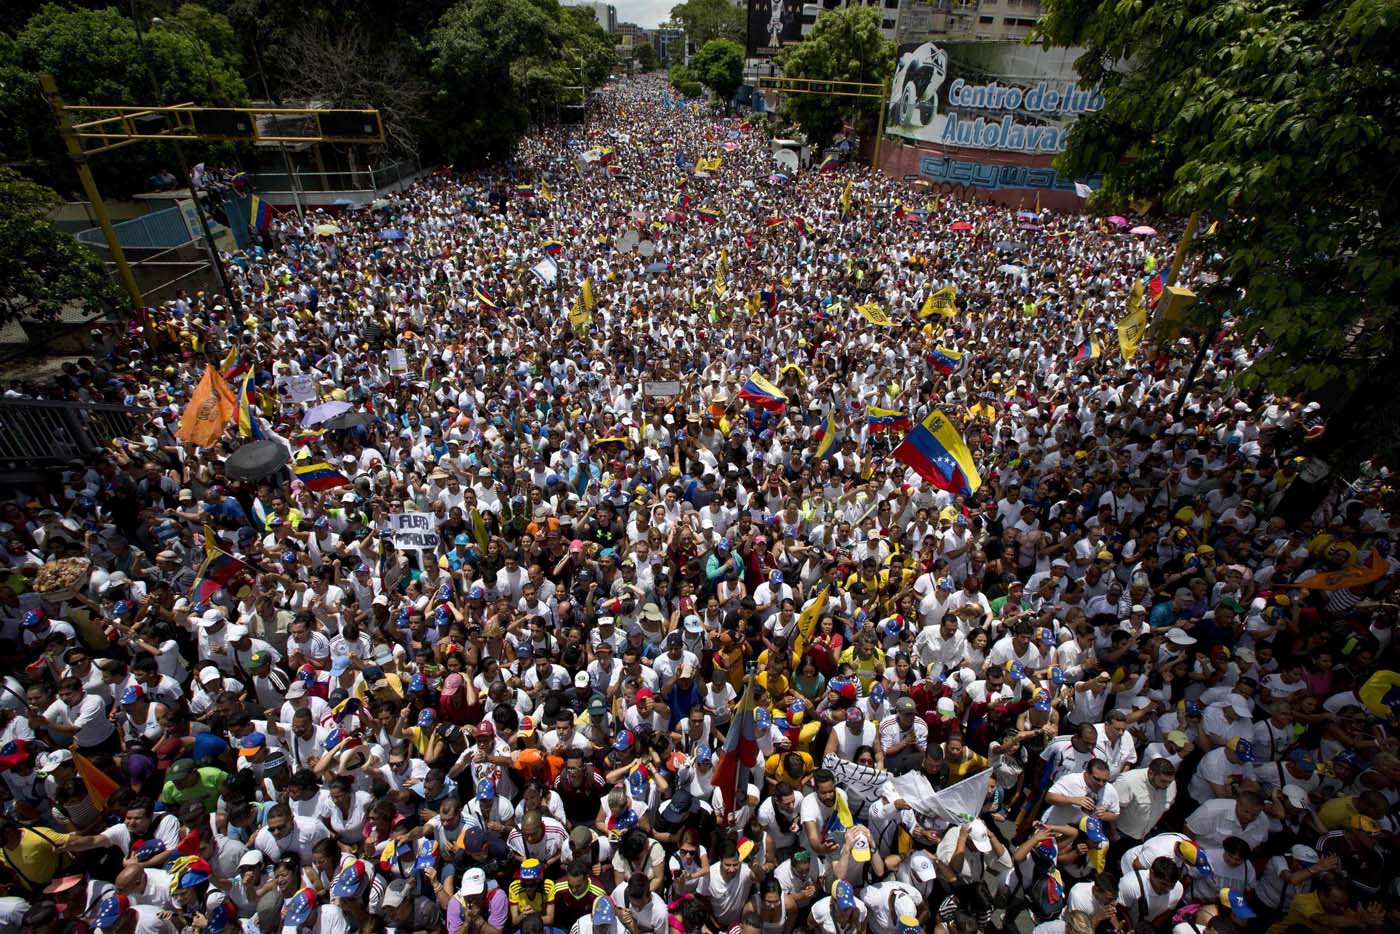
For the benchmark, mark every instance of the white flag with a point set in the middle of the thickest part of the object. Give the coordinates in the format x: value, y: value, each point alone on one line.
x: 1082, y: 190
x: 547, y: 270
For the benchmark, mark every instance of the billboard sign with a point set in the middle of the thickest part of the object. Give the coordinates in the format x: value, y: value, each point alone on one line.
x: 1001, y: 96
x: 773, y: 24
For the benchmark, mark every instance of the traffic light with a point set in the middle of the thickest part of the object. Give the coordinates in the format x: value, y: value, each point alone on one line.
x: 224, y: 123
x: 350, y: 124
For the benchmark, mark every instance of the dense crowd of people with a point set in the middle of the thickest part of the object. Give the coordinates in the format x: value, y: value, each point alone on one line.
x: 680, y: 659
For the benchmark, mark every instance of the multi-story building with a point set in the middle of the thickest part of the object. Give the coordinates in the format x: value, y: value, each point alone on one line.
x: 669, y: 43
x: 914, y: 21
x: 606, y: 14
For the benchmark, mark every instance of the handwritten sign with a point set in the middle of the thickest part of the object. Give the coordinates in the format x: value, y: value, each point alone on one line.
x: 415, y: 531
x: 297, y: 389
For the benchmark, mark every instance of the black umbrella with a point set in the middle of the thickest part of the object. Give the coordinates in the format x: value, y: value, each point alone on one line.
x: 348, y: 420
x: 1008, y: 246
x: 256, y: 460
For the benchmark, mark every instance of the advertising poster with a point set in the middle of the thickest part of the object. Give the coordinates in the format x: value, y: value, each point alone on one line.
x: 997, y: 96
x: 773, y: 24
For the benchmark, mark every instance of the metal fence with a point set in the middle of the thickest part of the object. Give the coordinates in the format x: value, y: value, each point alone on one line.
x: 39, y: 433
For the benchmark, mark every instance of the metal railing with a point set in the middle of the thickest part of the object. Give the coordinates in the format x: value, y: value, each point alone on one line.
x: 44, y: 433
x: 370, y: 178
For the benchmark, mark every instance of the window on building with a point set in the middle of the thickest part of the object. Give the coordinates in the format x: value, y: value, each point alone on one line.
x: 986, y: 20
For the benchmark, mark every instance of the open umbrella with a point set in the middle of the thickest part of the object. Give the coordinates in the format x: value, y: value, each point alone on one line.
x: 1143, y: 231
x: 1027, y: 226
x: 730, y: 146
x: 326, y: 230
x: 391, y: 233
x: 960, y: 225
x: 1007, y: 246
x: 1118, y: 221
x: 256, y: 460
x: 777, y: 178
x: 348, y: 420
x: 326, y: 410
x: 658, y: 267
x: 1010, y: 270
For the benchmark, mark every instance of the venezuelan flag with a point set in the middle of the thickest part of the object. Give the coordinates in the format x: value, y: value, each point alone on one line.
x: 771, y: 222
x: 829, y: 162
x: 879, y: 420
x: 944, y: 360
x: 248, y: 425
x: 234, y: 364
x: 758, y: 391
x: 218, y: 572
x: 320, y: 476
x: 708, y: 215
x: 682, y: 199
x: 826, y: 442
x: 936, y: 452
x: 306, y: 436
x: 484, y: 297
x: 804, y: 228
x: 740, y: 747
x: 553, y: 247
x: 259, y: 214
x: 1156, y: 284
x: 524, y: 191
x: 1088, y: 350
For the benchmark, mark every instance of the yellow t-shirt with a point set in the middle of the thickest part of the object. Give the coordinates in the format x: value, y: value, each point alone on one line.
x: 542, y: 895
x: 867, y: 669
x: 957, y: 771
x: 36, y: 858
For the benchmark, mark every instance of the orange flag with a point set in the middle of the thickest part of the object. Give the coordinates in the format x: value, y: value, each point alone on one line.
x: 99, y: 784
x: 211, y: 407
x: 1358, y: 575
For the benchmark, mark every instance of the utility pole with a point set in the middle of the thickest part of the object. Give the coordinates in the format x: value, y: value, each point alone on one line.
x: 99, y: 207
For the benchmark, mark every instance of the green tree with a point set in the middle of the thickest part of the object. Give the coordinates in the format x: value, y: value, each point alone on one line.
x: 646, y: 58
x: 96, y: 58
x: 704, y: 20
x: 845, y: 45
x: 1279, y: 121
x: 719, y: 65
x: 43, y: 269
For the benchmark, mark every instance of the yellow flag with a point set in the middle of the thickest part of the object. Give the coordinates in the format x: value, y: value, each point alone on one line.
x: 590, y: 301
x: 722, y: 275
x: 545, y: 193
x: 942, y: 303
x: 579, y: 318
x: 807, y: 620
x: 874, y: 314
x: 846, y: 200
x: 1131, y: 328
x: 211, y: 407
x: 479, y: 530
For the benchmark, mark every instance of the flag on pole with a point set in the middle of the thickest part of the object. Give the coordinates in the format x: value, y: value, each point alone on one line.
x: 936, y: 452
x: 708, y: 215
x: 807, y: 621
x: 99, y: 785
x: 524, y: 191
x: 234, y: 365
x: 740, y: 748
x: 1082, y: 190
x: 484, y: 297
x: 1089, y: 349
x: 212, y: 406
x: 579, y: 317
x: 219, y: 570
x: 590, y: 301
x: 1037, y: 202
x: 762, y: 393
x: 829, y: 162
x: 479, y: 530
x: 722, y: 274
x: 1133, y: 324
x: 846, y: 200
x: 553, y: 247
x: 547, y: 271
x: 545, y: 193
x: 942, y: 303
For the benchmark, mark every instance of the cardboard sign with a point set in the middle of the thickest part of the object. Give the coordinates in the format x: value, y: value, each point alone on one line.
x: 661, y: 389
x: 398, y: 361
x: 416, y: 531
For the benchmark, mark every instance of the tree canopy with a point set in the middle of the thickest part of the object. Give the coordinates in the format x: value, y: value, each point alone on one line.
x: 845, y: 45
x: 704, y: 20
x: 1278, y: 120
x: 42, y: 268
x: 719, y: 66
